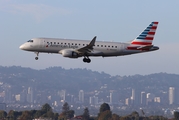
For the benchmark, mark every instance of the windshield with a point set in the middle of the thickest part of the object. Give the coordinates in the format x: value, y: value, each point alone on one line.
x: 30, y: 41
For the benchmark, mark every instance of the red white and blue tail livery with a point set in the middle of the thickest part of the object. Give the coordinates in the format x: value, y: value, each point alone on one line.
x: 144, y: 41
x: 147, y: 36
x: 73, y: 48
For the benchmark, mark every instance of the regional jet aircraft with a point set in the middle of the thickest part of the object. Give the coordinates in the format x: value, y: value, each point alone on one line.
x: 72, y: 48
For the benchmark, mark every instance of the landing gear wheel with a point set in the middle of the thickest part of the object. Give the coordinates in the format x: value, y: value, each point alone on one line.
x: 37, y: 53
x: 84, y: 59
x: 87, y: 60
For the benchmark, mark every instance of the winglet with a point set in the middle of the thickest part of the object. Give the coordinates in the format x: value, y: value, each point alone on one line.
x: 92, y: 43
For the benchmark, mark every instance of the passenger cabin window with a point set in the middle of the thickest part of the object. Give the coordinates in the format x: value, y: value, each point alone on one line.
x: 115, y: 46
x: 54, y: 42
x: 101, y: 45
x: 30, y: 41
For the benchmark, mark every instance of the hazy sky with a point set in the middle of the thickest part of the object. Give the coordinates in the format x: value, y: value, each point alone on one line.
x: 117, y: 20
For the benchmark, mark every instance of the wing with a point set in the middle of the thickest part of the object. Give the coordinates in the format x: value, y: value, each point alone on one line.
x: 87, y: 48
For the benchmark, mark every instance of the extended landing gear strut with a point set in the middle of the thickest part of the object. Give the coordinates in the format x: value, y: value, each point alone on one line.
x: 37, y: 53
x: 86, y: 59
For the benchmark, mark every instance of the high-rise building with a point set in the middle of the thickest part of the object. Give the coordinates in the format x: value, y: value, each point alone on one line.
x: 30, y: 95
x: 157, y: 99
x: 128, y: 101
x: 3, y: 106
x: 135, y: 98
x: 143, y: 98
x: 113, y: 97
x: 171, y: 94
x: 150, y: 98
x: 23, y: 95
x: 63, y: 95
x: 93, y: 100
x: 8, y: 95
x: 81, y: 96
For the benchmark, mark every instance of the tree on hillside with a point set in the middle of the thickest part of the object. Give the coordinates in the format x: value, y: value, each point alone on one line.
x: 86, y: 115
x: 104, y: 111
x: 46, y: 107
x: 65, y: 108
x: 3, y: 114
x: 135, y: 115
x: 106, y: 115
x: 125, y: 118
x: 176, y: 115
x: 13, y: 115
x: 66, y: 112
x: 115, y: 117
x: 26, y: 115
x: 104, y: 107
x: 38, y: 114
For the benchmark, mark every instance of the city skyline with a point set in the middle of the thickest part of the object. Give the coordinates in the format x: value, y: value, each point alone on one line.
x: 25, y: 88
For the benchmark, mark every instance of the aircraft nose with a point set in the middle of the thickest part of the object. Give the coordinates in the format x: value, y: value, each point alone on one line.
x: 21, y: 47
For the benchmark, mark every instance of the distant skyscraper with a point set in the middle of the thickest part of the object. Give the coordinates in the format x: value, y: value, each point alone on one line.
x: 17, y: 97
x: 113, y: 97
x: 3, y: 106
x: 81, y: 96
x: 150, y: 98
x: 63, y: 95
x: 143, y: 98
x: 93, y: 100
x: 8, y: 95
x: 23, y: 95
x: 128, y: 101
x: 171, y: 94
x: 135, y: 98
x: 157, y: 99
x: 30, y: 95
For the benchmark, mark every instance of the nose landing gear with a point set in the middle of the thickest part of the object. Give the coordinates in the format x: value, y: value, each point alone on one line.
x: 37, y: 53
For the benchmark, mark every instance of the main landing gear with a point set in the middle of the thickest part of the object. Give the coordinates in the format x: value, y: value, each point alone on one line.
x: 37, y: 53
x: 86, y: 59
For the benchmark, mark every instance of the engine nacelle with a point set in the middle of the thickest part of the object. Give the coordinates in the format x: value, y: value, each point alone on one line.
x: 69, y: 53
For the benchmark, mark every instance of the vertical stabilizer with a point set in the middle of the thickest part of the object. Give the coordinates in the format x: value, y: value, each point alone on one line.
x: 147, y: 36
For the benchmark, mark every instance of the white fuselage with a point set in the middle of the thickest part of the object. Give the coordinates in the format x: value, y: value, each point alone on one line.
x: 54, y: 45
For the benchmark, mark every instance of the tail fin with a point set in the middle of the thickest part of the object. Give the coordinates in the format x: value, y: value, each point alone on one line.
x: 147, y: 36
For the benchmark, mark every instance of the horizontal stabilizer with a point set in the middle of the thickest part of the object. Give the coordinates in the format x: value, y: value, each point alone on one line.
x: 147, y: 47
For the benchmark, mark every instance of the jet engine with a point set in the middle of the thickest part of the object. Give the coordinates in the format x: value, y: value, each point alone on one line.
x: 69, y: 53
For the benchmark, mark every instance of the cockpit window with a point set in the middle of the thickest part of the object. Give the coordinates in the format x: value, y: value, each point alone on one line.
x: 30, y: 41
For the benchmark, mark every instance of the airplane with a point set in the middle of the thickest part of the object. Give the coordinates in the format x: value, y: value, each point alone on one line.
x: 72, y: 48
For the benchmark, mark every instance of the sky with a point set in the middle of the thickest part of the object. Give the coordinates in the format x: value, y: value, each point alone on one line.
x: 117, y: 20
